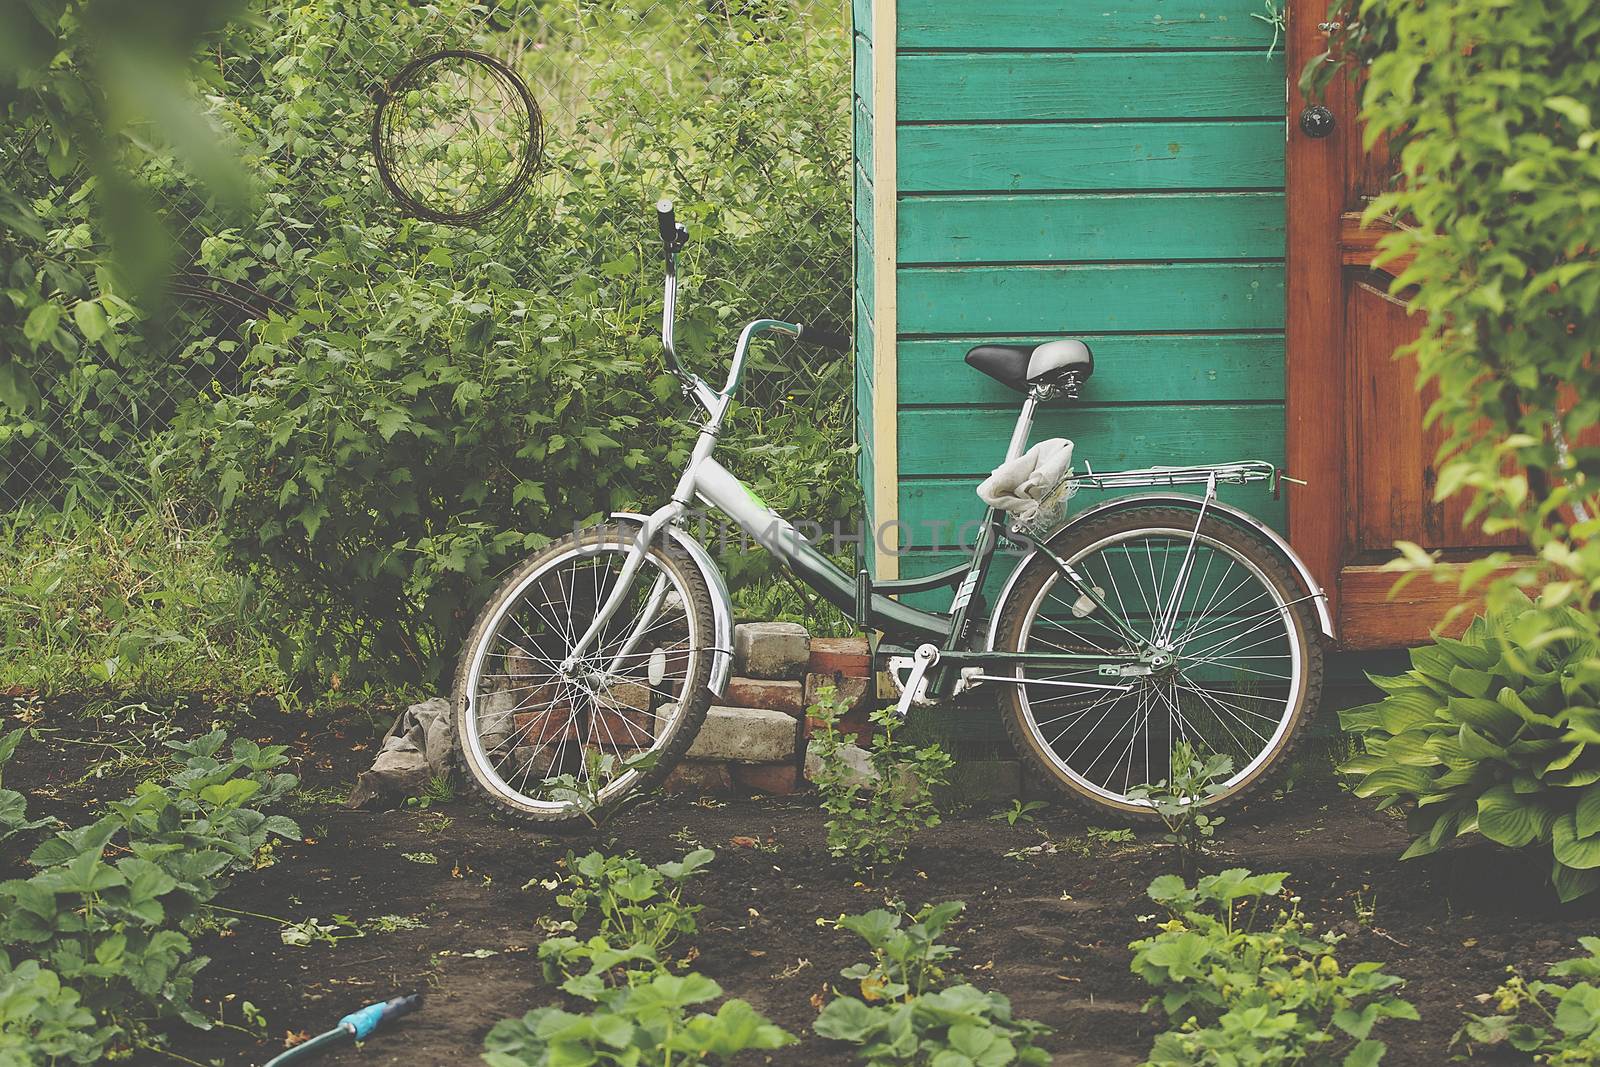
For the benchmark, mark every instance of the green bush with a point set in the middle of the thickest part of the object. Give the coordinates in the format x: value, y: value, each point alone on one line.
x: 431, y: 402
x: 1493, y: 734
x: 871, y: 818
x: 1556, y: 1023
x: 441, y: 401
x: 1242, y: 997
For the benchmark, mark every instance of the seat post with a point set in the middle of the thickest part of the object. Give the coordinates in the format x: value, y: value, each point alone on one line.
x: 1019, y: 434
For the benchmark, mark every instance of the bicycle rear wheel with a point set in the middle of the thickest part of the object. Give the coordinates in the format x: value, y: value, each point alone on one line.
x: 558, y: 746
x: 1246, y: 671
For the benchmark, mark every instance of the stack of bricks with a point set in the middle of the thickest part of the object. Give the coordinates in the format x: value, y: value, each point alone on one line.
x: 753, y: 739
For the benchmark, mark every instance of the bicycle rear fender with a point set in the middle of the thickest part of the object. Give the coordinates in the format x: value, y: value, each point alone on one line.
x: 721, y: 604
x: 1225, y: 512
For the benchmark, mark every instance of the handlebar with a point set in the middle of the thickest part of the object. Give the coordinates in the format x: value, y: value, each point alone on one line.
x: 812, y: 334
x: 673, y: 235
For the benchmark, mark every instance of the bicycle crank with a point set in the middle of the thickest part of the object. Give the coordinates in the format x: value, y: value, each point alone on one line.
x: 910, y: 676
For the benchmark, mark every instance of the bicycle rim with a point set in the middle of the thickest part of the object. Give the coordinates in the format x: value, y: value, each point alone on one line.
x: 553, y: 742
x: 1235, y: 688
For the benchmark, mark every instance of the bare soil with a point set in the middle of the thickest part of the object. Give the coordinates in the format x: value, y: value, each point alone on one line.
x: 1049, y: 929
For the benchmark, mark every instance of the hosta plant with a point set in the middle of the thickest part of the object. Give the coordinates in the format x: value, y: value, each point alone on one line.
x: 1243, y: 986
x: 1556, y: 1023
x: 1497, y: 734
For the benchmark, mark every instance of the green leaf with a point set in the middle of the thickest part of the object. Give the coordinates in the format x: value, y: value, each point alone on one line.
x: 41, y: 322
x: 1571, y: 849
x: 91, y: 319
x: 1512, y: 819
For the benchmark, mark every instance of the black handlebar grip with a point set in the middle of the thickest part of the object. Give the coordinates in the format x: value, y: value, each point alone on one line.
x: 824, y: 338
x: 667, y: 222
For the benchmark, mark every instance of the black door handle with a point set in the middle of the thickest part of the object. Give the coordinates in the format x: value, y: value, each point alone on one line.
x: 1316, y: 121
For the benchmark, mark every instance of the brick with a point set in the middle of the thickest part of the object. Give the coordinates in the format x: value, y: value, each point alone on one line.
x: 746, y: 735
x: 779, y: 779
x: 771, y: 650
x: 787, y: 697
x: 546, y: 761
x: 845, y: 657
x: 699, y: 776
x: 622, y: 717
x: 549, y: 723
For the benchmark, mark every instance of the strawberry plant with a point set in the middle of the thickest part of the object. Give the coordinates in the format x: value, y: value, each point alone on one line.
x: 646, y: 1025
x: 641, y: 914
x: 115, y: 933
x: 903, y: 1016
x: 40, y: 1017
x: 1554, y: 1022
x: 1239, y: 995
x: 1494, y: 734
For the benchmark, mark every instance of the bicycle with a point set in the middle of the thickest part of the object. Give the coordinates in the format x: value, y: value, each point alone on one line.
x: 1133, y: 625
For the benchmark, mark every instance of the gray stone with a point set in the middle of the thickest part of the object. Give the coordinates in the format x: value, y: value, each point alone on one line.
x: 746, y: 735
x: 771, y: 650
x: 854, y: 758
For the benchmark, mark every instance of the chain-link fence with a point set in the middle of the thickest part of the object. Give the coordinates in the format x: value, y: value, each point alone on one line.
x: 504, y: 129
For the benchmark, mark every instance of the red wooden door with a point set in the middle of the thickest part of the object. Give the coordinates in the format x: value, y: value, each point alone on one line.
x: 1355, y: 418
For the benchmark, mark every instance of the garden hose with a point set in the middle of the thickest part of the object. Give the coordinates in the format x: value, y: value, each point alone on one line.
x: 353, y: 1027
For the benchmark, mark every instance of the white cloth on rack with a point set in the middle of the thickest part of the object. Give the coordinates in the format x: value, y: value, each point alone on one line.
x: 1018, y: 485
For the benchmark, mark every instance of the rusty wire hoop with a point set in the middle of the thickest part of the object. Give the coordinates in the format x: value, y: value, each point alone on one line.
x: 385, y: 125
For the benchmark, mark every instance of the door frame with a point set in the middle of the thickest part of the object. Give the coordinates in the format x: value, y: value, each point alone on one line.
x: 1322, y: 240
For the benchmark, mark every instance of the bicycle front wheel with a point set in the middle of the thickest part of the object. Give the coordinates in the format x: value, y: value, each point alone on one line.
x: 1245, y: 667
x: 559, y: 740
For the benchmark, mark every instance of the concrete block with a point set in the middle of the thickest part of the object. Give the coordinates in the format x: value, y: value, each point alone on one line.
x: 699, y: 776
x: 850, y: 692
x: 847, y: 657
x: 774, y: 695
x: 854, y: 758
x: 771, y: 650
x: 746, y: 735
x: 779, y: 779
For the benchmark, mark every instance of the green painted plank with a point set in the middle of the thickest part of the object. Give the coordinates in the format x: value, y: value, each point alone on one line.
x: 861, y: 16
x: 1245, y: 154
x: 862, y: 72
x: 1109, y: 24
x: 1047, y: 227
x: 865, y: 281
x: 944, y: 513
x: 1125, y: 297
x: 952, y: 442
x: 1000, y: 86
x: 863, y: 207
x: 861, y: 135
x: 1130, y: 368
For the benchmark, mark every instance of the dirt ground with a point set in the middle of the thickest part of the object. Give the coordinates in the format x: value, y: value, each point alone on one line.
x: 1048, y: 927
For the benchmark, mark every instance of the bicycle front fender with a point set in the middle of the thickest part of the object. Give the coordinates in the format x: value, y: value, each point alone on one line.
x: 1225, y: 512
x: 721, y: 603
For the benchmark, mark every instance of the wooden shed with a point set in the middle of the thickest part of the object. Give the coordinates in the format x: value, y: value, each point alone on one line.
x: 1132, y: 172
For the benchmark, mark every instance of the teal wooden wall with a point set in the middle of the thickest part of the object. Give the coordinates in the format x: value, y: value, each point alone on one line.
x: 1112, y: 171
